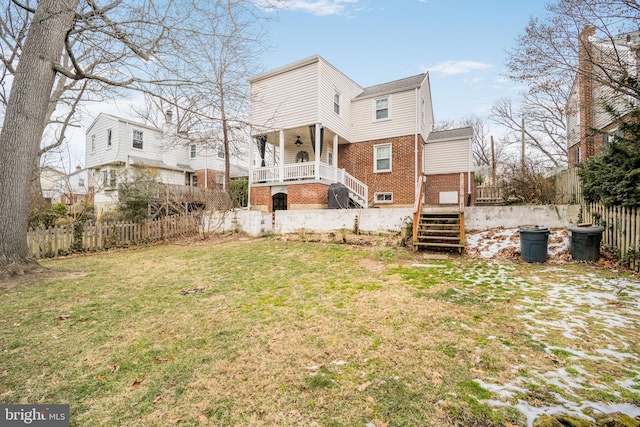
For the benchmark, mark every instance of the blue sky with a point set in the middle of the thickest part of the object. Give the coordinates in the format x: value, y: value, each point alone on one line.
x: 461, y: 43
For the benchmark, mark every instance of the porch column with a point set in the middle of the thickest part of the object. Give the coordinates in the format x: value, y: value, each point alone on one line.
x: 318, y: 145
x: 281, y: 159
x: 335, y: 157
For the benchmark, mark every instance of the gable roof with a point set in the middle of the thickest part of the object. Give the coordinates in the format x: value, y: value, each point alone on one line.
x: 444, y: 135
x: 408, y: 83
x: 123, y: 120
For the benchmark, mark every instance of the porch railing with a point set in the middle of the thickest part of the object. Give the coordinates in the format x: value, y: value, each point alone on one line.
x: 306, y: 170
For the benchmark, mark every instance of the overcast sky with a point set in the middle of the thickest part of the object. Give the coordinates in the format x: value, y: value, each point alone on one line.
x: 460, y: 43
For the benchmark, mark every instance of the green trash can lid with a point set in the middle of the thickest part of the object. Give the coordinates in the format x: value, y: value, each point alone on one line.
x: 592, y: 229
x: 534, y: 229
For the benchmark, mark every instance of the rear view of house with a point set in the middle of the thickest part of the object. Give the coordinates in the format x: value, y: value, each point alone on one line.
x: 323, y: 128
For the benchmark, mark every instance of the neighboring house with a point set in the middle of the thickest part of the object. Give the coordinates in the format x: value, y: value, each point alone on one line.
x: 324, y: 128
x: 48, y: 178
x: 114, y: 145
x: 586, y: 116
x: 74, y: 187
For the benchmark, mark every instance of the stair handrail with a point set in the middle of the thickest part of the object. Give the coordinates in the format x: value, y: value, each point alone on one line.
x: 417, y: 207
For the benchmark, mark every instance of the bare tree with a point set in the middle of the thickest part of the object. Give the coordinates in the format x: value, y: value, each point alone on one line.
x: 133, y: 42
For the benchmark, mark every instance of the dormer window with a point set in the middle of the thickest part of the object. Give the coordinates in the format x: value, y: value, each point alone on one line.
x: 381, y: 106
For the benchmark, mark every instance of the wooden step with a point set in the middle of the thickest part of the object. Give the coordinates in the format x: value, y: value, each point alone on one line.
x: 443, y: 245
x: 454, y: 238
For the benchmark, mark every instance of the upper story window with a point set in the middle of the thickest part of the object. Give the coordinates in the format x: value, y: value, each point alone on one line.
x: 382, y: 158
x: 108, y: 138
x: 112, y: 178
x: 336, y: 102
x: 192, y: 151
x: 220, y: 151
x: 137, y: 139
x: 424, y: 115
x: 381, y: 106
x: 80, y: 182
x: 93, y: 144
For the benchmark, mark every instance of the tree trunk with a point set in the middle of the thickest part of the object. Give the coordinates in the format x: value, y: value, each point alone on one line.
x: 227, y: 163
x: 24, y: 124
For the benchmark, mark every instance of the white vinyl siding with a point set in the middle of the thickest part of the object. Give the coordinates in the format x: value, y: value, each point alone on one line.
x: 573, y: 117
x: 446, y: 157
x: 109, y: 138
x: 332, y: 81
x: 286, y: 100
x: 403, y: 118
x: 336, y: 102
x: 382, y: 158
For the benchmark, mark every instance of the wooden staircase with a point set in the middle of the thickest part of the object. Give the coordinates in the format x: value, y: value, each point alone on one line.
x: 439, y: 231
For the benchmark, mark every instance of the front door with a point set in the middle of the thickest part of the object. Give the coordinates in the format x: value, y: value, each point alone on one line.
x: 279, y: 201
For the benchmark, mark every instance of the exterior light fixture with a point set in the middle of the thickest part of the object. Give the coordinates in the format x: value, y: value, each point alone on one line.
x: 298, y: 142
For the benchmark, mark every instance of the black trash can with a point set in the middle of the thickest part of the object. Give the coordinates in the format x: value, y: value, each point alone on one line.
x: 584, y: 242
x: 533, y: 243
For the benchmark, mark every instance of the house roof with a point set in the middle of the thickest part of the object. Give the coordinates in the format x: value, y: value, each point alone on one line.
x: 121, y: 119
x: 444, y: 135
x: 401, y: 85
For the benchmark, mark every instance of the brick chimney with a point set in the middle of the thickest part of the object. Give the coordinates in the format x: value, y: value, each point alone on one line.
x: 585, y: 85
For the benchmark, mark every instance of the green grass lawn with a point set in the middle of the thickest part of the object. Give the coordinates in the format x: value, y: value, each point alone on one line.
x: 271, y: 333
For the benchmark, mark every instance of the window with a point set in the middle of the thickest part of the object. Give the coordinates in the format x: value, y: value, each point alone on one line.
x: 424, y: 105
x: 108, y: 138
x: 112, y: 178
x: 220, y: 182
x: 330, y: 158
x: 576, y: 155
x: 105, y: 178
x: 221, y: 151
x: 93, y: 144
x: 382, y: 158
x: 137, y: 139
x: 192, y: 152
x: 80, y: 182
x: 194, y: 180
x: 336, y: 102
x: 382, y: 109
x: 383, y: 197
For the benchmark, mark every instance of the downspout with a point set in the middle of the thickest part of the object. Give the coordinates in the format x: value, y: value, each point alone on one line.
x: 469, y: 172
x: 415, y: 142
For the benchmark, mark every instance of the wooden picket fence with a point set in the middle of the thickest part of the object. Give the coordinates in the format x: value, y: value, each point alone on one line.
x: 63, y: 239
x: 621, y: 230
x: 568, y: 187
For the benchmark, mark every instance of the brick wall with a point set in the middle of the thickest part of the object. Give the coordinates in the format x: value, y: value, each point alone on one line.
x: 310, y: 195
x: 447, y: 182
x: 211, y: 177
x: 586, y: 146
x: 357, y: 159
x: 261, y: 198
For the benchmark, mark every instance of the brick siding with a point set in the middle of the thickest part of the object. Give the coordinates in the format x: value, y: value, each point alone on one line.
x: 357, y: 159
x: 447, y: 182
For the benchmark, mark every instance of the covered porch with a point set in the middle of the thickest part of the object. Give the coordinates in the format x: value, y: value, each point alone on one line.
x: 296, y: 157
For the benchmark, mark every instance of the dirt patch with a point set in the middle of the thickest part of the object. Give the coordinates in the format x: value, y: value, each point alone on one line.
x: 39, y: 277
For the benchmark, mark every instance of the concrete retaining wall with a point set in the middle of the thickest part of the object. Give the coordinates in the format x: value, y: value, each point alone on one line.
x: 383, y: 220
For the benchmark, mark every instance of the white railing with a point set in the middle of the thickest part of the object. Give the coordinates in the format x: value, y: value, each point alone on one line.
x: 306, y: 170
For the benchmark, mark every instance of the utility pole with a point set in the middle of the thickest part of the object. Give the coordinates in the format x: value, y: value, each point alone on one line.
x: 523, y: 144
x: 493, y: 162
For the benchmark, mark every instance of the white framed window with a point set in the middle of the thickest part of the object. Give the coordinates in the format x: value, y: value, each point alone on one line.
x: 220, y: 151
x: 194, y: 180
x: 220, y: 182
x: 192, y: 151
x: 105, y: 178
x: 382, y: 108
x: 330, y: 158
x: 336, y: 102
x: 382, y: 158
x: 112, y: 179
x: 93, y: 144
x: 576, y: 155
x: 109, y: 138
x: 80, y: 182
x: 138, y: 139
x: 383, y: 197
